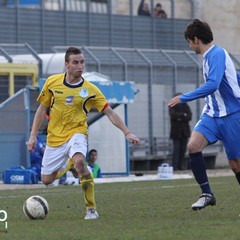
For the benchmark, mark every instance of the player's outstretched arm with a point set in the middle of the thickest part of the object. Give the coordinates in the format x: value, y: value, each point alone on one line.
x: 118, y: 122
x: 37, y: 122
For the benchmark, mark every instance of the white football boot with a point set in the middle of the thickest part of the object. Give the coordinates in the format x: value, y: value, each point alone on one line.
x: 91, y: 214
x: 204, y: 200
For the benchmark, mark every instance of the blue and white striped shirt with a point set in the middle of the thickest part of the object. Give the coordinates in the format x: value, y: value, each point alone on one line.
x: 221, y: 89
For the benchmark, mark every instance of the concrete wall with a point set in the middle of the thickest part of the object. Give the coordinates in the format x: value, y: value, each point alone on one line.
x: 223, y: 18
x: 221, y: 15
x: 182, y: 8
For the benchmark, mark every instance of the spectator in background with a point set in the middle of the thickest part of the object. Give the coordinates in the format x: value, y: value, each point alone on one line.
x: 159, y: 12
x: 143, y: 9
x: 91, y: 162
x: 180, y: 115
x: 36, y: 156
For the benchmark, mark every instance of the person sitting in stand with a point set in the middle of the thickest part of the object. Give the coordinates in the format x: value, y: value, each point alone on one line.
x: 91, y: 162
x: 159, y: 12
x: 143, y: 9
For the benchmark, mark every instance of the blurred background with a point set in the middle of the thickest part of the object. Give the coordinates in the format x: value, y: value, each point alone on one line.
x: 121, y: 44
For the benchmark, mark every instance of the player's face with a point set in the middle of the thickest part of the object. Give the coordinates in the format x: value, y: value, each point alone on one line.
x: 93, y: 157
x: 194, y: 45
x: 75, y: 65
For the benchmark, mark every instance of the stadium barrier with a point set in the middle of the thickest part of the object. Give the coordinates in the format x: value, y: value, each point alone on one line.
x: 20, y: 175
x: 147, y: 158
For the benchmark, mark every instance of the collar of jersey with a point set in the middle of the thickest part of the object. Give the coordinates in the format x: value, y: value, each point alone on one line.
x: 72, y: 86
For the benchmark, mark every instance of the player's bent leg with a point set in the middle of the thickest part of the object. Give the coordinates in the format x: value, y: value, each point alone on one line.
x: 48, y: 179
x: 72, y: 168
x: 197, y: 142
x: 80, y: 164
x: 69, y: 167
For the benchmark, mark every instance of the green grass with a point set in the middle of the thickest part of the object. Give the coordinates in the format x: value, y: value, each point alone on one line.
x: 138, y: 210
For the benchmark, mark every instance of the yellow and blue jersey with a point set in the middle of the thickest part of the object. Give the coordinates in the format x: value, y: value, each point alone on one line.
x: 69, y: 106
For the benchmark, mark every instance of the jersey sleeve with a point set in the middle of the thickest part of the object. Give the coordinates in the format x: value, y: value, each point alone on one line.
x: 45, y: 96
x: 213, y: 80
x: 99, y: 101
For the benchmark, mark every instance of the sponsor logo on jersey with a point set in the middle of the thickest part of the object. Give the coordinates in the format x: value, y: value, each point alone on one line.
x: 69, y: 100
x: 83, y: 93
x: 59, y: 92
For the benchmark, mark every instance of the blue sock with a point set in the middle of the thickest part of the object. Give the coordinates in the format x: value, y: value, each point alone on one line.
x: 198, y: 167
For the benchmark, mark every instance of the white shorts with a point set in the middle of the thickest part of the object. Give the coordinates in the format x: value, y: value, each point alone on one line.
x: 55, y: 158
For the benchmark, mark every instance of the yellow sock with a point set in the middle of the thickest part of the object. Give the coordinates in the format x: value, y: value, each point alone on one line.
x: 88, y: 190
x: 70, y: 165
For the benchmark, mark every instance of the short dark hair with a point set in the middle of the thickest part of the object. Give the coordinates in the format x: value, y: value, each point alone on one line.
x: 200, y: 30
x: 71, y: 51
x: 92, y: 150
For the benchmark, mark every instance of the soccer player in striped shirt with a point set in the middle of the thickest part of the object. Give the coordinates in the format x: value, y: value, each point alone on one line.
x: 220, y: 119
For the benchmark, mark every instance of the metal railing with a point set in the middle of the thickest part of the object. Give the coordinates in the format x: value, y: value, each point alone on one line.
x: 157, y: 74
x: 42, y: 28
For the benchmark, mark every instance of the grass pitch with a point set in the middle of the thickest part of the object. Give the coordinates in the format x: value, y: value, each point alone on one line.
x: 137, y: 210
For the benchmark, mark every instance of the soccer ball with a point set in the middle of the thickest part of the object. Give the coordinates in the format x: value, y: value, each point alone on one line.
x: 36, y: 207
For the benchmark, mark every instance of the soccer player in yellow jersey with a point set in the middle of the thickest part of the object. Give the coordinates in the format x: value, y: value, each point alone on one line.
x: 70, y: 98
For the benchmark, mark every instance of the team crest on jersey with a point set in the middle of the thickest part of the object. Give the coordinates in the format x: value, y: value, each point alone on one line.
x: 69, y: 100
x: 84, y: 92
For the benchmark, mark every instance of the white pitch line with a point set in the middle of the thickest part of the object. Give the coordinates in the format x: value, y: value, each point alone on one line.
x: 59, y: 190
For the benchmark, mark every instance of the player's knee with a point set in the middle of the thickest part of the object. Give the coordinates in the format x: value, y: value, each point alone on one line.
x: 81, y: 168
x: 193, y: 147
x: 46, y: 180
x: 80, y: 164
x: 234, y: 165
